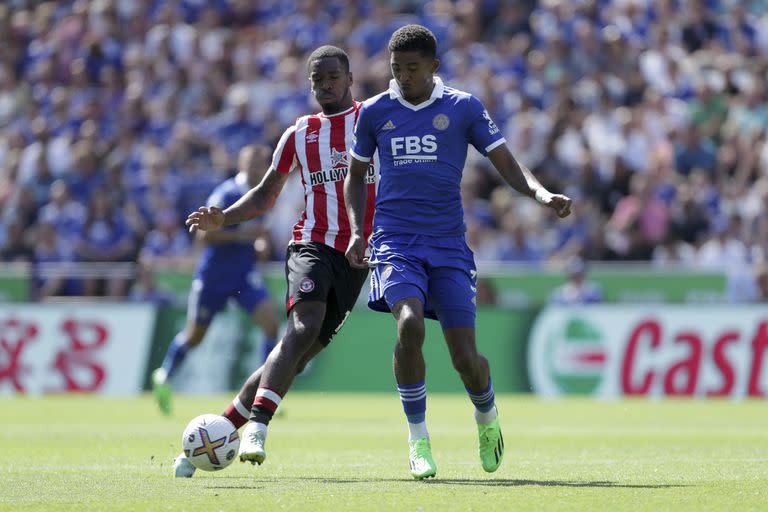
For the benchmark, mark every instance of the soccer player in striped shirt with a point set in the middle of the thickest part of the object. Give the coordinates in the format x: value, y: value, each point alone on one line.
x: 322, y: 286
x: 422, y: 265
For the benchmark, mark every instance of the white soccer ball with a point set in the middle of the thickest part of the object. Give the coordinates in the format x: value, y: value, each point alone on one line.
x: 210, y: 442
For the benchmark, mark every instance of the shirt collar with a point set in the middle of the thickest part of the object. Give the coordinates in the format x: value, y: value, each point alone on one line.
x: 437, y: 91
x: 342, y: 113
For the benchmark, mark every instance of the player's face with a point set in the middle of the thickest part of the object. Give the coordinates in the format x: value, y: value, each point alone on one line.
x: 330, y: 84
x: 413, y: 72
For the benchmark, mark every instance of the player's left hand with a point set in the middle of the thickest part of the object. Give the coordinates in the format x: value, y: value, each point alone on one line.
x: 356, y: 253
x: 205, y: 219
x: 561, y: 204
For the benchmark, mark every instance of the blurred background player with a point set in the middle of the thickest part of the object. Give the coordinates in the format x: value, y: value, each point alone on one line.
x: 226, y: 269
x: 322, y: 286
x: 422, y: 264
x: 577, y: 290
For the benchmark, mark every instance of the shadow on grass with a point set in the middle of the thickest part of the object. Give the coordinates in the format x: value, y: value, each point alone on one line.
x: 510, y: 482
x: 249, y: 487
x: 479, y: 482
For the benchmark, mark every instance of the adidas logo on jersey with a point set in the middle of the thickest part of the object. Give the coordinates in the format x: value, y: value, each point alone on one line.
x: 389, y: 126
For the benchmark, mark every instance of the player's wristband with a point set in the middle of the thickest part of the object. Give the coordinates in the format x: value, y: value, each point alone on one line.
x: 543, y: 196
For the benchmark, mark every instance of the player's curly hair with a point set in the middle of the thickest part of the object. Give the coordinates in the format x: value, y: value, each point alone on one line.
x: 329, y: 51
x: 414, y: 38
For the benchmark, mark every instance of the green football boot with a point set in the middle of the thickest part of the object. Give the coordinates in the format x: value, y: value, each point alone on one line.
x: 420, y: 455
x: 491, y: 447
x: 162, y: 390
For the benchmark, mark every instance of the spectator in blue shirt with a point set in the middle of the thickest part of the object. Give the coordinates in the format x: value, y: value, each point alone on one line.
x: 64, y: 213
x: 105, y: 238
x: 694, y: 152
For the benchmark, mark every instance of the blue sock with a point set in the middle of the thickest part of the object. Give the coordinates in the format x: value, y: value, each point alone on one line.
x: 484, y: 402
x: 266, y: 347
x: 177, y: 351
x: 414, y: 398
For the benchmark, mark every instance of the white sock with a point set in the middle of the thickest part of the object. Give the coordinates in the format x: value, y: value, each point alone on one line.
x: 483, y: 418
x: 417, y: 430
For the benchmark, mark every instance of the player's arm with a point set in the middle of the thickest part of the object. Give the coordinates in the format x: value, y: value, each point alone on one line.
x: 257, y: 201
x: 355, y: 188
x: 354, y: 197
x: 522, y: 179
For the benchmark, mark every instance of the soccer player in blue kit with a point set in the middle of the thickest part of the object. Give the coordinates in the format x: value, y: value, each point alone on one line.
x: 422, y: 265
x: 226, y: 269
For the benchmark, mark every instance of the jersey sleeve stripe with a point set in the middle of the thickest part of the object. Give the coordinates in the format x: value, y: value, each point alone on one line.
x: 496, y: 144
x: 358, y: 157
x: 284, y: 156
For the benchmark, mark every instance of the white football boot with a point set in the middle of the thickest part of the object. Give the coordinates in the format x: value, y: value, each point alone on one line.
x: 182, y: 467
x: 252, y: 444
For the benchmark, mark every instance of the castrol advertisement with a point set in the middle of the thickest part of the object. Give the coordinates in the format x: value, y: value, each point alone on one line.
x: 612, y: 351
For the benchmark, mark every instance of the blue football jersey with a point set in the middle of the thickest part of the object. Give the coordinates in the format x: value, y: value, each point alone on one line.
x: 422, y: 150
x: 227, y: 264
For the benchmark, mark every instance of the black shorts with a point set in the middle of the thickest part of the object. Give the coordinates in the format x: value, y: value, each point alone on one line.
x: 314, y: 271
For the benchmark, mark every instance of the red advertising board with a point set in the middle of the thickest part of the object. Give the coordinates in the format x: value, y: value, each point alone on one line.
x: 617, y: 350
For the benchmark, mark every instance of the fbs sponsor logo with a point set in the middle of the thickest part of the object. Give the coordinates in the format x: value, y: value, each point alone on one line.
x: 578, y: 356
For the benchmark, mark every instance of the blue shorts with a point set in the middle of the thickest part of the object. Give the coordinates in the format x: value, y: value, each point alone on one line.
x: 439, y: 271
x: 206, y: 298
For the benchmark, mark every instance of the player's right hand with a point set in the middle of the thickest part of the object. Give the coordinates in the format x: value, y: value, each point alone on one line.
x: 356, y: 253
x: 206, y: 219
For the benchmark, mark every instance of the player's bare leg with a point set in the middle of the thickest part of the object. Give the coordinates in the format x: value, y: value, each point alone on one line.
x: 238, y: 413
x: 471, y: 365
x: 408, y: 361
x: 248, y: 391
x: 409, y: 369
x: 474, y: 371
x: 304, y: 323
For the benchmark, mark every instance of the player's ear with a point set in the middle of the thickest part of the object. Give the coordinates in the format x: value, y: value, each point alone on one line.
x: 435, y: 65
x: 350, y: 78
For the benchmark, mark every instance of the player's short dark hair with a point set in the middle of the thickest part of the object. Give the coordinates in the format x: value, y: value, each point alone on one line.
x: 414, y: 38
x: 328, y: 51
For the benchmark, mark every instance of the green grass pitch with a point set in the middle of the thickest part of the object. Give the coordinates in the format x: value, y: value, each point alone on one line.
x: 348, y: 452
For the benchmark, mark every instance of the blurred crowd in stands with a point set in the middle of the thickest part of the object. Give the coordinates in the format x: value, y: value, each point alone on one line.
x: 118, y: 117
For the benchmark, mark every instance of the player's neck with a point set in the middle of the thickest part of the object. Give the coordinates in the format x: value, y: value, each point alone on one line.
x: 341, y: 106
x: 424, y: 97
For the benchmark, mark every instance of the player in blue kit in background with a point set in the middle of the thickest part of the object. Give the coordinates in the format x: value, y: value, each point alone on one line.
x: 422, y: 264
x: 226, y: 269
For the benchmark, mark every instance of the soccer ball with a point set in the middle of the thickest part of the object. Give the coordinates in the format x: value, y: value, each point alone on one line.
x: 210, y: 442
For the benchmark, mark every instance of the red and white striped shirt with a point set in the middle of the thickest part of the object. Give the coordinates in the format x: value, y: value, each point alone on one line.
x: 318, y: 146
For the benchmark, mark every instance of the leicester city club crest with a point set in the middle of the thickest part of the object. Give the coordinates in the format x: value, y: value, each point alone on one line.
x: 441, y: 121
